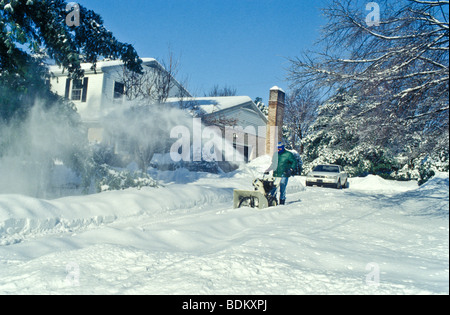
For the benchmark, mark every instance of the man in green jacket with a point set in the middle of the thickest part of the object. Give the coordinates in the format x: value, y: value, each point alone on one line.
x: 283, y: 165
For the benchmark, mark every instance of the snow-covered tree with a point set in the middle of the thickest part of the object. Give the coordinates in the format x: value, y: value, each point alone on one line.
x: 398, y: 66
x: 335, y: 138
x: 401, y: 65
x: 340, y: 136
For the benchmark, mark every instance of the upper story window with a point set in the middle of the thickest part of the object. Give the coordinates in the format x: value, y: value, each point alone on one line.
x: 119, y: 90
x: 76, y: 90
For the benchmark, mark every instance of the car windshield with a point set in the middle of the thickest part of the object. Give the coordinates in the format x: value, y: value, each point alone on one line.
x: 326, y: 168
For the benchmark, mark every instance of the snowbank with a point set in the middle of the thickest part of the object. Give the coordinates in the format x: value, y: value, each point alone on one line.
x: 429, y: 200
x: 22, y: 217
x: 375, y: 183
x: 436, y: 182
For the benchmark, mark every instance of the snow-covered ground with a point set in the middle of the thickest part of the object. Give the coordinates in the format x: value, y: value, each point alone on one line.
x: 376, y: 237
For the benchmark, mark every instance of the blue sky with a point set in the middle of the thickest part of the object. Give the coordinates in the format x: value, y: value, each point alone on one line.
x: 238, y: 43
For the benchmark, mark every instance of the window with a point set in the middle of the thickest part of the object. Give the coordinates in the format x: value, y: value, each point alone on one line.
x: 119, y: 90
x: 326, y: 168
x: 77, y: 90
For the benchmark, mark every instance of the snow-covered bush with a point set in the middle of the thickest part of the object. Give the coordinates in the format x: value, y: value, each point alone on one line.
x: 104, y: 154
x: 428, y: 167
x: 112, y: 179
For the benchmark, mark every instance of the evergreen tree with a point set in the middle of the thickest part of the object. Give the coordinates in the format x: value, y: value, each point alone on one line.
x: 340, y: 135
x: 337, y: 137
x: 33, y: 30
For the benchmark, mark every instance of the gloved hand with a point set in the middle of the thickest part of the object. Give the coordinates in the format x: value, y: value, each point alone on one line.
x: 290, y: 172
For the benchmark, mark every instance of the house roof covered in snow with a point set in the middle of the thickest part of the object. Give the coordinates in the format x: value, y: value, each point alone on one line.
x: 100, y: 66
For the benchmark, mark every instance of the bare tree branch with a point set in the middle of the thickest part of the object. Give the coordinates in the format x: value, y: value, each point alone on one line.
x: 399, y: 69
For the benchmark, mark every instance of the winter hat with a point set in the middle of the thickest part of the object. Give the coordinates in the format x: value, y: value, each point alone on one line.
x: 281, y: 147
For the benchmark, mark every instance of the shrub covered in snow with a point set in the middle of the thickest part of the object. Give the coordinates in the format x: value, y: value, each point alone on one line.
x: 112, y: 179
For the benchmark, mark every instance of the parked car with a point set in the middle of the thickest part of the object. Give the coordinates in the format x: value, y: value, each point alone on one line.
x: 328, y: 175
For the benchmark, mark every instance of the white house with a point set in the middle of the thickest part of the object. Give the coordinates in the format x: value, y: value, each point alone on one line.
x: 240, y: 121
x: 101, y: 90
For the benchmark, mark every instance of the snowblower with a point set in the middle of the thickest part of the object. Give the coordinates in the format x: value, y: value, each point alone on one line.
x: 259, y: 198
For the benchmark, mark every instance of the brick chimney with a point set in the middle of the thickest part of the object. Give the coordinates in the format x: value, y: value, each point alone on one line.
x: 275, y: 119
